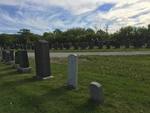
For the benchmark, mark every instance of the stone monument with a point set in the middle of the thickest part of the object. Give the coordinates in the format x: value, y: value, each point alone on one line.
x: 96, y: 93
x: 42, y: 60
x: 72, y: 71
x: 23, y: 62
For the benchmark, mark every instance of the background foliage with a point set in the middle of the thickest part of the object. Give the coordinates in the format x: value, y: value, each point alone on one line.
x: 80, y: 38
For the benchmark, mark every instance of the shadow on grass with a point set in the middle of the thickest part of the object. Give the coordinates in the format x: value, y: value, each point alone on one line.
x: 62, y: 93
x: 54, y: 95
x: 56, y: 92
x: 12, y: 84
x: 10, y: 71
x: 6, y: 68
x: 9, y: 74
x: 87, y: 107
x: 28, y: 102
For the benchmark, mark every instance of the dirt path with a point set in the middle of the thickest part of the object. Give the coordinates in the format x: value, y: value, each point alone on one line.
x: 65, y: 54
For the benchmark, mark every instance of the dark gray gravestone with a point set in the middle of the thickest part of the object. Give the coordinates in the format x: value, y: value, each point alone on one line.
x: 16, y: 63
x: 17, y: 54
x: 42, y: 60
x: 3, y: 56
x: 96, y: 93
x: 0, y: 53
x: 11, y: 57
x: 7, y: 57
x: 23, y: 62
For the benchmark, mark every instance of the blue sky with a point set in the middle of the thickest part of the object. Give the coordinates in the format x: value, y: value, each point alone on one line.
x: 46, y: 15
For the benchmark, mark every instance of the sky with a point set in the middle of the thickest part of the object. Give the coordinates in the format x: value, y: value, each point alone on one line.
x: 47, y: 15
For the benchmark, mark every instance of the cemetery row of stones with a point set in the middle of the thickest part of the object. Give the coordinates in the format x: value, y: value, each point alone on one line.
x: 20, y: 61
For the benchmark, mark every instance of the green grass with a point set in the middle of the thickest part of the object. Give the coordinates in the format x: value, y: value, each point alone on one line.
x: 126, y: 82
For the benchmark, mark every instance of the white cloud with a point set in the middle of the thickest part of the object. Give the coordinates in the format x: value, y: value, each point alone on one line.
x: 75, y: 6
x: 42, y: 15
x: 126, y: 13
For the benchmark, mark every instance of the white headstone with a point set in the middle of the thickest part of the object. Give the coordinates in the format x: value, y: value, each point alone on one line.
x: 73, y: 71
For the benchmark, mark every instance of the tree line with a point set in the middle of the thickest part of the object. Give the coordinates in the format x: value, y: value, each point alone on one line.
x: 80, y: 38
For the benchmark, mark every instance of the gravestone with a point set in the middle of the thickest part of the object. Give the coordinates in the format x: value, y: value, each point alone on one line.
x: 11, y: 57
x: 16, y: 63
x: 17, y: 54
x: 42, y: 60
x: 96, y: 93
x: 0, y: 53
x: 72, y: 71
x: 23, y: 62
x: 7, y: 57
x: 3, y: 56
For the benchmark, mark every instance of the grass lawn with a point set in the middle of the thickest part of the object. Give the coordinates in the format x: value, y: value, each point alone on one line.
x: 126, y: 82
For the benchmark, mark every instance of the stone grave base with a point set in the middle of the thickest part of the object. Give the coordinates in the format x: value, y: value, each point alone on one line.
x: 15, y: 66
x: 24, y: 70
x: 71, y: 87
x: 7, y: 63
x: 10, y: 63
x: 44, y: 78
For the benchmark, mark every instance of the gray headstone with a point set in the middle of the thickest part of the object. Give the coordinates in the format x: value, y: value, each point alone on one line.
x: 0, y: 52
x: 7, y: 57
x: 16, y: 63
x: 23, y: 62
x: 42, y: 60
x: 96, y: 93
x: 3, y: 56
x: 12, y: 55
x: 73, y: 71
x: 17, y: 57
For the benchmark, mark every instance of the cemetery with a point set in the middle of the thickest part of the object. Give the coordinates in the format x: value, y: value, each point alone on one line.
x: 74, y: 56
x: 77, y: 84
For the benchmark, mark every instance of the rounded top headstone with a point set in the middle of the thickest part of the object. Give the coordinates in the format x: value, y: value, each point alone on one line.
x: 23, y: 50
x: 7, y: 51
x: 73, y: 55
x: 43, y: 41
x: 96, y: 84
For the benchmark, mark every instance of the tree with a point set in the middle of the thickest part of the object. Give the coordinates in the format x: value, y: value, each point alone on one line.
x: 126, y: 35
x: 7, y: 40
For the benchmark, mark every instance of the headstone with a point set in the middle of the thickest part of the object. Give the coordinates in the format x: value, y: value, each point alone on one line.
x: 23, y: 62
x: 3, y: 56
x: 0, y: 53
x: 11, y: 57
x: 42, y: 60
x: 72, y: 71
x: 16, y: 63
x: 17, y: 57
x: 7, y: 57
x: 96, y: 93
